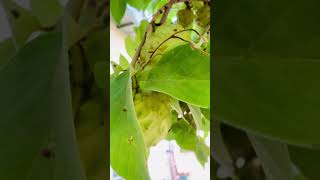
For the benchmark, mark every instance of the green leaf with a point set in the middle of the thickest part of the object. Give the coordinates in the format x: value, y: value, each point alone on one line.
x: 118, y: 8
x: 140, y: 31
x: 21, y: 21
x: 206, y: 113
x: 36, y: 114
x: 132, y: 44
x: 7, y: 50
x: 197, y: 116
x: 116, y: 67
x: 266, y: 69
x: 176, y: 106
x: 306, y: 160
x: 124, y: 62
x: 47, y: 18
x: 128, y: 151
x: 186, y: 137
x: 155, y: 5
x: 183, y: 73
x: 202, y: 151
x: 205, y: 126
x: 139, y: 4
x: 274, y: 157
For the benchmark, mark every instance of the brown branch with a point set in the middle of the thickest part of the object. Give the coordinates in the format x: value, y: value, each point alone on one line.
x: 167, y: 9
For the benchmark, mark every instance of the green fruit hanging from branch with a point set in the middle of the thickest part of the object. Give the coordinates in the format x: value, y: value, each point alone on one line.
x: 154, y: 115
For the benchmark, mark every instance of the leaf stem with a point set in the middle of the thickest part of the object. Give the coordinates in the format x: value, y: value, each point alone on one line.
x: 174, y: 36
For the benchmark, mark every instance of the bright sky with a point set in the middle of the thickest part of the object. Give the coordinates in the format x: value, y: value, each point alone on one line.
x: 158, y: 159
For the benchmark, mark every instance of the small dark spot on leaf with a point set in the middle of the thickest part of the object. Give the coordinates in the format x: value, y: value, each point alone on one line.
x: 130, y: 140
x: 175, y: 29
x: 46, y: 153
x: 124, y: 109
x: 15, y: 13
x: 160, y: 11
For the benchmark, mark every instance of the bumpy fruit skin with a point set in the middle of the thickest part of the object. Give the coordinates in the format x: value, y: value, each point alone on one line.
x: 154, y: 114
x: 203, y: 16
x: 158, y: 36
x: 185, y: 17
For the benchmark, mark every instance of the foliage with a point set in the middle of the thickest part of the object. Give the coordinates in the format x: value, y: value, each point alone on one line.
x: 161, y: 94
x: 265, y: 77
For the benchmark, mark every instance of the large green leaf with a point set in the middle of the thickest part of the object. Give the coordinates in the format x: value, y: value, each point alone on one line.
x: 183, y: 73
x: 21, y: 21
x: 266, y: 68
x: 118, y: 8
x: 274, y: 157
x: 47, y: 17
x: 36, y: 126
x: 128, y: 155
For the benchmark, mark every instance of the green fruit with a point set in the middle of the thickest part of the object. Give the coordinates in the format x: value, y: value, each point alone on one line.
x: 154, y: 114
x: 185, y: 17
x: 89, y: 118
x: 203, y: 16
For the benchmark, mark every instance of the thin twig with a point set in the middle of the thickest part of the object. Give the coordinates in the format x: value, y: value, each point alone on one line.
x: 124, y: 25
x: 173, y: 36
